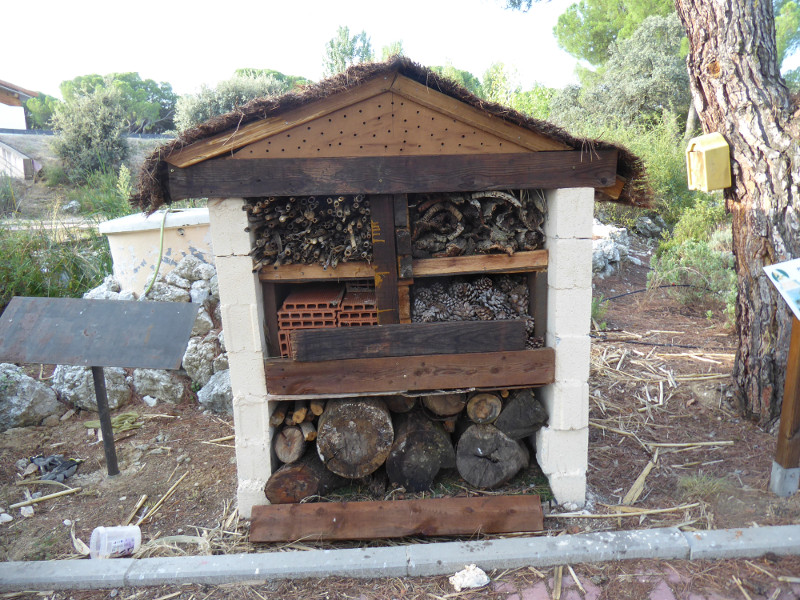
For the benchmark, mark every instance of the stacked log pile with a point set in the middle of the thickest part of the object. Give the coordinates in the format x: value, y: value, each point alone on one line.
x: 309, y: 230
x: 323, y: 445
x: 480, y: 298
x: 477, y: 223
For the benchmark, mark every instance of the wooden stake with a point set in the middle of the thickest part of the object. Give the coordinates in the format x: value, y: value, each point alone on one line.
x: 136, y: 508
x: 48, y: 497
x: 161, y: 500
x: 787, y: 453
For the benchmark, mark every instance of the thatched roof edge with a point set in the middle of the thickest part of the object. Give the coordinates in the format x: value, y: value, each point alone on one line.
x: 152, y: 190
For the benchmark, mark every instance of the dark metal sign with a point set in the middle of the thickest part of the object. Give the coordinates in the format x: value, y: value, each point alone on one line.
x: 96, y: 333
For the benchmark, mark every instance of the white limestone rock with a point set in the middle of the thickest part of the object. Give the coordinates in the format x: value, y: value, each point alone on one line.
x: 164, y: 292
x: 23, y: 400
x: 158, y: 384
x: 202, y: 324
x: 200, y: 292
x: 173, y: 278
x: 186, y: 267
x: 198, y: 360
x: 76, y: 386
x: 221, y: 362
x: 216, y: 395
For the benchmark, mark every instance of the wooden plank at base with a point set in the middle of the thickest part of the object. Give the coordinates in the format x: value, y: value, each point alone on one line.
x: 411, y: 373
x: 459, y: 337
x: 395, y: 518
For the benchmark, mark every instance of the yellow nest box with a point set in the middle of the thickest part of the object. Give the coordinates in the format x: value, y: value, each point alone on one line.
x: 708, y: 163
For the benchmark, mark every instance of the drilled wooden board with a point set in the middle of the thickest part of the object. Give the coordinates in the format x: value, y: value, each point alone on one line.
x: 384, y: 125
x: 411, y: 373
x: 397, y: 518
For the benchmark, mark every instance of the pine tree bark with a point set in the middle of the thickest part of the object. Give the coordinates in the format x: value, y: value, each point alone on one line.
x: 738, y: 92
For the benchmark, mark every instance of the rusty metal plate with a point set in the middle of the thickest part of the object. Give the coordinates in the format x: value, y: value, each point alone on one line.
x: 96, y: 333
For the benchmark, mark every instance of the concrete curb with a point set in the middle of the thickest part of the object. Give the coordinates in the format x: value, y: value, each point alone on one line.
x: 412, y: 560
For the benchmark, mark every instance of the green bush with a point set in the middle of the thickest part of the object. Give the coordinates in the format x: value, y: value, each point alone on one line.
x: 90, y: 133
x: 8, y: 195
x: 105, y: 193
x: 706, y: 274
x: 51, y: 261
x: 698, y: 223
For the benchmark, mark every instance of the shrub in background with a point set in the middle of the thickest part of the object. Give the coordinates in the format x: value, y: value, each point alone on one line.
x: 51, y: 261
x: 90, y: 133
x: 104, y: 193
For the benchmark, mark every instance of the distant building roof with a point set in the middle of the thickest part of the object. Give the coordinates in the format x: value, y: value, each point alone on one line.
x: 14, y: 95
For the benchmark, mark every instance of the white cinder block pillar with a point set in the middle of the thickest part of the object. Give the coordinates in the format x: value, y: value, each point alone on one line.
x: 562, y: 446
x: 242, y: 309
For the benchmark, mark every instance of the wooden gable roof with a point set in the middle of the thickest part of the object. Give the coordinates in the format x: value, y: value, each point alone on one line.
x: 378, y: 111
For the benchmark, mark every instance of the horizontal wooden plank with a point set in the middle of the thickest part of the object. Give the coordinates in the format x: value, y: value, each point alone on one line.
x: 411, y: 339
x: 395, y: 518
x: 521, y: 262
x: 411, y: 373
x: 225, y: 177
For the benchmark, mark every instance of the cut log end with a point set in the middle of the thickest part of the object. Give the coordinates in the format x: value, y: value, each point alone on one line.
x: 484, y: 407
x: 487, y: 458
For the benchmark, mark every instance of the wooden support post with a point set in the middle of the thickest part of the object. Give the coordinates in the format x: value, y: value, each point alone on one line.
x: 787, y: 453
x: 271, y: 306
x: 105, y: 420
x: 385, y: 256
x: 537, y: 302
x: 785, y: 476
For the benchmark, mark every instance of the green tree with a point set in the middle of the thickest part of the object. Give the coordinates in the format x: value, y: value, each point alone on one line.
x: 393, y: 49
x: 90, y: 132
x: 149, y: 106
x: 787, y: 28
x: 588, y: 27
x: 463, y: 78
x: 227, y: 96
x: 39, y: 111
x: 289, y: 81
x: 344, y: 50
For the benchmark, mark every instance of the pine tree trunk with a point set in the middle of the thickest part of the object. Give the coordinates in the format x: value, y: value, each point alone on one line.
x: 738, y: 92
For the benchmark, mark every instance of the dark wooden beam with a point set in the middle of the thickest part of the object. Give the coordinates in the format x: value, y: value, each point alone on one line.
x: 411, y: 339
x: 395, y: 518
x: 287, y: 377
x: 224, y: 177
x: 384, y: 255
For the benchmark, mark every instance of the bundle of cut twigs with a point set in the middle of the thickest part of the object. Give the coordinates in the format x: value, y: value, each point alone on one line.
x: 477, y: 223
x: 309, y: 230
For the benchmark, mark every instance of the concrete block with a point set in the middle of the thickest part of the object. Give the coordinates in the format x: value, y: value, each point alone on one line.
x: 242, y: 326
x: 562, y: 451
x: 253, y: 460
x: 63, y: 575
x: 568, y: 488
x: 569, y: 311
x: 573, y: 356
x: 228, y: 222
x: 427, y: 560
x: 247, y: 373
x: 237, y: 282
x: 783, y: 482
x: 751, y: 542
x: 569, y: 264
x: 250, y: 419
x: 250, y: 493
x: 570, y: 213
x: 567, y: 404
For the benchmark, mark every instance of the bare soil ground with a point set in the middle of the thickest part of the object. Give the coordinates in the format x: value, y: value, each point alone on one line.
x: 660, y: 376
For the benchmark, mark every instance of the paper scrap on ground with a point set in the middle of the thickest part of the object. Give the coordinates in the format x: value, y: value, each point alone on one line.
x: 471, y: 577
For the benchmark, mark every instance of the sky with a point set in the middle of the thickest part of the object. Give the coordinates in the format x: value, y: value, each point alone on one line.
x: 192, y: 43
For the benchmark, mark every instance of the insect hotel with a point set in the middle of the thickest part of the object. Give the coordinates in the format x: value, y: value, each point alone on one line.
x: 405, y: 279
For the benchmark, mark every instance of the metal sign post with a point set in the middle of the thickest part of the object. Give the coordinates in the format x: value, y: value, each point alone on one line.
x: 785, y: 475
x: 97, y: 334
